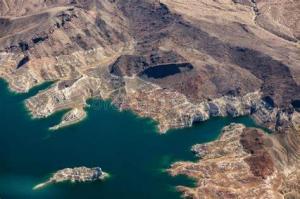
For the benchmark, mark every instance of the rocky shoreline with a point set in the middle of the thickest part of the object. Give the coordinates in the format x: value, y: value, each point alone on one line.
x: 110, y: 65
x: 77, y: 174
x: 242, y: 163
x: 223, y: 61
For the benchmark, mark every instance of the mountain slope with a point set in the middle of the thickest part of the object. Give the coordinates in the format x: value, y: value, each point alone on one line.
x: 178, y: 62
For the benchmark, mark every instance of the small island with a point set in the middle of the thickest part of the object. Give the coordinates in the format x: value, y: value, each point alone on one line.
x: 73, y: 116
x: 77, y: 174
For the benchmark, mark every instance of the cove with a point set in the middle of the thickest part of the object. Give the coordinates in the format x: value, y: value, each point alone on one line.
x: 126, y: 146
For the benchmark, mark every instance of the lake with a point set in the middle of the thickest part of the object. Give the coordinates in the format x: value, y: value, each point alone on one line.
x: 124, y: 145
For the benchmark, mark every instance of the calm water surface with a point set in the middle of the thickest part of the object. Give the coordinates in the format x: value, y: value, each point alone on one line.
x: 126, y: 146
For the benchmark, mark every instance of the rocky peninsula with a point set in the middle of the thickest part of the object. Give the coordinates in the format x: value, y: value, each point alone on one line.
x: 177, y: 62
x: 242, y: 163
x: 77, y: 174
x: 74, y: 116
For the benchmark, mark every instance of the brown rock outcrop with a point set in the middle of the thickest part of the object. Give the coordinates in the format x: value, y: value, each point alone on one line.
x: 260, y: 161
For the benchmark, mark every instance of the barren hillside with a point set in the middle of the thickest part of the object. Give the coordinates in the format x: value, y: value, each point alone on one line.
x: 175, y: 61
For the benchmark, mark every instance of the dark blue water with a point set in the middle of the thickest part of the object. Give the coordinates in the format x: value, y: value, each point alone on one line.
x: 124, y: 145
x: 161, y: 71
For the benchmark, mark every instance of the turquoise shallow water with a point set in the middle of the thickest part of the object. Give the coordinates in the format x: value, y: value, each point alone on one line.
x: 126, y: 146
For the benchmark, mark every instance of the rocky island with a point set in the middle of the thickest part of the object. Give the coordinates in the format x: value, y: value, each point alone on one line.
x: 77, y: 174
x: 177, y: 62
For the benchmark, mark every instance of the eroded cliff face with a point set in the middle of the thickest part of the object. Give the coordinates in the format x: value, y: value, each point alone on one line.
x: 178, y: 62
